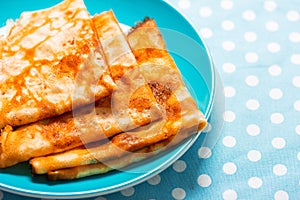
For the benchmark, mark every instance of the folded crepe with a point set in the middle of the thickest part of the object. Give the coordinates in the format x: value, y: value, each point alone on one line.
x: 100, y: 168
x: 182, y: 117
x: 115, y: 46
x: 67, y: 132
x: 93, y: 122
x: 113, y: 164
x: 45, y: 56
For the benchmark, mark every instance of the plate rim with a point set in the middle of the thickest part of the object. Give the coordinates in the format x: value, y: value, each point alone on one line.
x: 145, y: 176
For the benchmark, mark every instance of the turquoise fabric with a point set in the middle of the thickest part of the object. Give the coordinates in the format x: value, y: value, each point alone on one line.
x: 253, y: 151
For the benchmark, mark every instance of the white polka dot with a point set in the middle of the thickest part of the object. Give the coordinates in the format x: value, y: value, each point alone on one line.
x: 208, y: 128
x: 184, y: 4
x: 298, y: 156
x: 154, y: 180
x: 205, y: 11
x: 229, y: 195
x: 297, y: 105
x: 250, y: 36
x: 204, y: 152
x: 295, y: 59
x: 251, y: 57
x: 226, y: 4
x: 270, y: 5
x: 255, y: 182
x: 272, y: 26
x: 229, y: 168
x: 279, y: 170
x: 294, y: 37
x: 275, y: 70
x: 275, y: 93
x: 278, y: 143
x: 227, y: 25
x: 277, y: 118
x: 128, y: 192
x: 292, y: 15
x: 229, y: 141
x: 178, y: 193
x: 252, y: 80
x: 228, y: 67
x: 100, y: 198
x: 254, y: 155
x: 1, y: 195
x: 249, y: 15
x: 228, y: 45
x: 273, y: 47
x: 253, y: 130
x: 229, y: 116
x: 229, y: 91
x: 179, y: 166
x: 296, y: 81
x: 281, y: 195
x: 206, y: 33
x: 252, y: 104
x: 297, y: 129
x: 204, y: 180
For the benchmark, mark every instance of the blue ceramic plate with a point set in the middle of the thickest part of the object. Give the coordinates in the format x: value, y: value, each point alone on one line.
x: 193, y: 60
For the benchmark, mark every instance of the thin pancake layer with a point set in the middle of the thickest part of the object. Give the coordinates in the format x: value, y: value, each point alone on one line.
x: 42, y: 55
x: 161, y: 72
x: 182, y: 117
x: 100, y: 168
x: 115, y: 46
x: 117, y: 163
x: 92, y: 123
x: 125, y: 111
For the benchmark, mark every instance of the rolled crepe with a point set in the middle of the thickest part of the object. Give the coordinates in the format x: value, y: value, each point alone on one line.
x: 113, y: 164
x: 66, y: 132
x: 119, y: 145
x: 100, y: 168
x: 125, y: 160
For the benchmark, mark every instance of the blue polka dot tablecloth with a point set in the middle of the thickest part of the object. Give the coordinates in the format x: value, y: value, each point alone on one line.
x: 255, y: 46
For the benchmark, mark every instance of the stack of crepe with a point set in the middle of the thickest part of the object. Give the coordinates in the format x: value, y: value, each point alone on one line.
x: 80, y: 97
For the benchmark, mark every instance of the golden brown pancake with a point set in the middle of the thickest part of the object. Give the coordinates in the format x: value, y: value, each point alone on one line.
x: 115, y: 46
x: 91, y: 123
x: 182, y: 119
x: 42, y: 56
